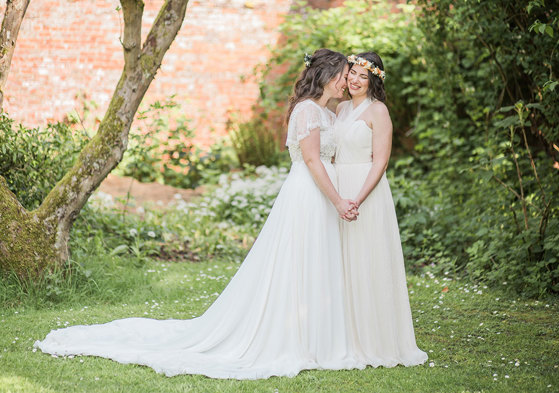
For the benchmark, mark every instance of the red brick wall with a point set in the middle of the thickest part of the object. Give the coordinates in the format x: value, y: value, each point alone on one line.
x: 66, y: 47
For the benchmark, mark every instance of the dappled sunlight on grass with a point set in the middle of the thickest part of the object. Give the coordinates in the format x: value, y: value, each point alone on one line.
x: 19, y: 384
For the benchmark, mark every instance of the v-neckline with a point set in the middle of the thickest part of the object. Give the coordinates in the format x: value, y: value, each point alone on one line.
x: 354, y: 113
x: 353, y: 109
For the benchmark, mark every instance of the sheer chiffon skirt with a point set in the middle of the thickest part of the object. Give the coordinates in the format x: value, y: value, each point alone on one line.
x: 379, y: 317
x: 281, y: 313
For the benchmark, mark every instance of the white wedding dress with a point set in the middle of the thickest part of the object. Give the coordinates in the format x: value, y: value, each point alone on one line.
x: 379, y: 320
x: 282, y: 312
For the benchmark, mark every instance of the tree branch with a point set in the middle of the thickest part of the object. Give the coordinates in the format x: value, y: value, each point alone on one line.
x: 15, y: 11
x: 520, y: 198
x: 519, y: 175
x: 132, y: 11
x: 533, y: 164
x: 162, y: 33
x: 106, y: 148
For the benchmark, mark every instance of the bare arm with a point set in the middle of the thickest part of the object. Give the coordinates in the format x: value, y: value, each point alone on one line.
x: 382, y: 146
x: 310, y: 147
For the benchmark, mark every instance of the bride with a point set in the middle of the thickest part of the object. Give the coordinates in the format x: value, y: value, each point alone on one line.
x: 379, y: 318
x: 284, y: 310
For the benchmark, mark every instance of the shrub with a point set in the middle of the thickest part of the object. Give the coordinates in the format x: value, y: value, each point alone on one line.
x: 164, y: 151
x: 33, y: 160
x: 254, y: 142
x: 247, y: 200
x: 484, y: 134
x: 221, y: 224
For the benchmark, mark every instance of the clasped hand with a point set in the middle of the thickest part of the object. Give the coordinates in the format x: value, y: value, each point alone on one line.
x: 348, y: 210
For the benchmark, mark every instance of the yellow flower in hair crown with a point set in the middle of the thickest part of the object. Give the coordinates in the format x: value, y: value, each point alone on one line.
x: 366, y: 64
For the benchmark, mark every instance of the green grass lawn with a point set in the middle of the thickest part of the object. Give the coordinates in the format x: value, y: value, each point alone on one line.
x: 478, y: 339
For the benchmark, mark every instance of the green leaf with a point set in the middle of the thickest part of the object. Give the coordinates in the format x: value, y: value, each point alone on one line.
x: 550, y: 85
x: 121, y: 249
x: 507, y: 122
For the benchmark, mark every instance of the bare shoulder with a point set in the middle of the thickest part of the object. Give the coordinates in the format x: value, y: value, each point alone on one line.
x: 378, y: 109
x: 378, y: 117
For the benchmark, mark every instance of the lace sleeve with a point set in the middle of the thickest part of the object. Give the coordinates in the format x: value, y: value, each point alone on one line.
x: 305, y: 117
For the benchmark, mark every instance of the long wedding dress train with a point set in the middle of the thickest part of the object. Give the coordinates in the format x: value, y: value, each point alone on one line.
x: 282, y: 312
x: 379, y: 320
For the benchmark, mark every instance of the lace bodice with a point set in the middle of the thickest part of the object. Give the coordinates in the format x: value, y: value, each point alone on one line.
x: 306, y: 116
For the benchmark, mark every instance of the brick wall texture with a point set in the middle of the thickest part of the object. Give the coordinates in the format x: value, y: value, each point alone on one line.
x: 71, y: 47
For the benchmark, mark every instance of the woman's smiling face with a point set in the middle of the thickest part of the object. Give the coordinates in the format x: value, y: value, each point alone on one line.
x: 357, y: 81
x: 336, y: 87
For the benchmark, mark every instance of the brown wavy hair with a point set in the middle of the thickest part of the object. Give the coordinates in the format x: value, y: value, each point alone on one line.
x: 375, y: 90
x: 325, y: 64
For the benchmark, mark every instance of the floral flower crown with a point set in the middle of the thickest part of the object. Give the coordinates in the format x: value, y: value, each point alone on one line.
x: 307, y: 60
x: 366, y: 64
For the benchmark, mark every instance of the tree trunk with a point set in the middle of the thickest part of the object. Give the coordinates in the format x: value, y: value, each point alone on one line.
x: 15, y: 11
x: 26, y: 244
x: 45, y: 231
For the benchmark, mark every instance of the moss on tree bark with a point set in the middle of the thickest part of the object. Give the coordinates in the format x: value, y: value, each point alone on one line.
x: 26, y: 241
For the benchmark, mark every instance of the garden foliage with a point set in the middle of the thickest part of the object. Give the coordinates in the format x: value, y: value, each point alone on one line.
x: 247, y: 200
x: 163, y: 150
x: 485, y: 133
x: 33, y: 160
x: 255, y: 143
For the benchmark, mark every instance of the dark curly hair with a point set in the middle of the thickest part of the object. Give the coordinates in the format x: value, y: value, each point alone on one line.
x: 376, y: 85
x: 324, y: 66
